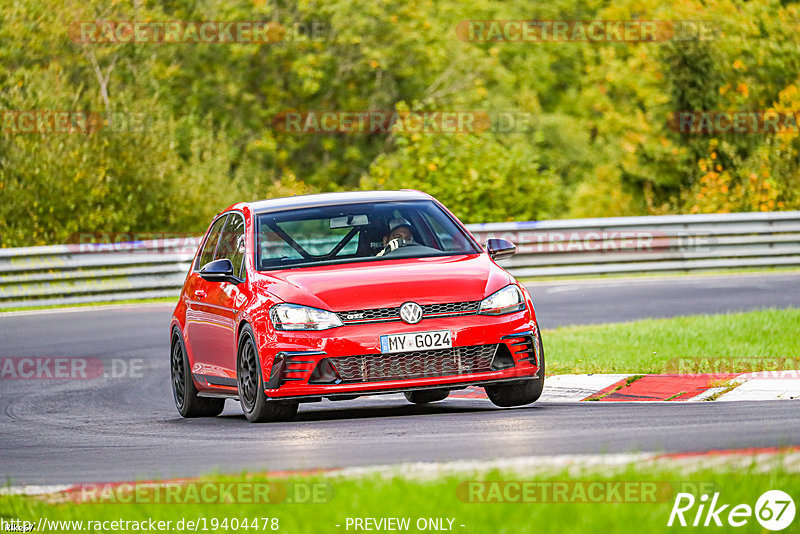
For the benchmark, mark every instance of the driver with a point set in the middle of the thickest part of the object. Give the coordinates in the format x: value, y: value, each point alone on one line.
x: 399, y: 236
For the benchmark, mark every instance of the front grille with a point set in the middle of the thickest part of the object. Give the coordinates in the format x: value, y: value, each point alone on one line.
x: 376, y: 315
x: 416, y: 364
x: 452, y: 307
x: 369, y: 315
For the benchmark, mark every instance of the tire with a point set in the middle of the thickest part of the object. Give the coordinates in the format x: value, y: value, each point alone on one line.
x: 426, y: 395
x: 250, y: 381
x: 519, y: 393
x: 183, y: 389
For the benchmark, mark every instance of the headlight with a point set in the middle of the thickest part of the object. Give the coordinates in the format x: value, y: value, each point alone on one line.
x: 507, y: 300
x: 296, y: 317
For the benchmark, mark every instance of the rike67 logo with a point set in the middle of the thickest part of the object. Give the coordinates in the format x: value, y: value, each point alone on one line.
x: 774, y: 510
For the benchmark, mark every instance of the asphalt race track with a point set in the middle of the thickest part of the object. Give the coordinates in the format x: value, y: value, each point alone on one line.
x: 107, y: 428
x: 614, y: 300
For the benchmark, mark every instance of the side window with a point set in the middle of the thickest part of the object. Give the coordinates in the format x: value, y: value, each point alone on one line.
x: 231, y: 244
x: 207, y: 254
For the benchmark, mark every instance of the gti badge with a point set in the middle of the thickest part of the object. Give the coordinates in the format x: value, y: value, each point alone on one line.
x: 411, y: 312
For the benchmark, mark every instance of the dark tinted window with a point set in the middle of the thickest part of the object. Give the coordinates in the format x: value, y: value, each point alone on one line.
x: 231, y: 244
x: 210, y: 246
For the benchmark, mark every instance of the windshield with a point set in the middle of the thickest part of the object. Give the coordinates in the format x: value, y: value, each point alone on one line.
x: 357, y: 232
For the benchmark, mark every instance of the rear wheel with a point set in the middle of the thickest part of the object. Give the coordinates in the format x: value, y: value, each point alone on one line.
x: 426, y: 395
x: 183, y: 388
x: 249, y: 378
x: 519, y: 393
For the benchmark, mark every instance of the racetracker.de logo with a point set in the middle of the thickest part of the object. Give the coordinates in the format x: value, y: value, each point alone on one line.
x: 733, y: 122
x: 391, y: 121
x: 640, y: 241
x: 69, y: 368
x: 34, y: 121
x: 575, y: 491
x: 200, y: 492
x: 760, y: 367
x: 584, y: 31
x: 186, y: 31
x: 133, y: 242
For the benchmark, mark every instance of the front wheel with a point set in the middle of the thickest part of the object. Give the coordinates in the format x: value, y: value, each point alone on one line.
x: 249, y: 378
x: 519, y: 393
x: 184, y: 392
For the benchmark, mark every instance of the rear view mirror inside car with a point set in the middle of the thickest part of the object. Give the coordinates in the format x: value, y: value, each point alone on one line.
x: 348, y: 221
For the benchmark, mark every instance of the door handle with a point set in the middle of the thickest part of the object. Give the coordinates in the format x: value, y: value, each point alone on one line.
x: 200, y: 293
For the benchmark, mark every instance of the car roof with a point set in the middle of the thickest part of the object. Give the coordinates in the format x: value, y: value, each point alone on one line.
x: 334, y: 199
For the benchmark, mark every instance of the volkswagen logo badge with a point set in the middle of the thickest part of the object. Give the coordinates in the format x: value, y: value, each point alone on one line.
x: 411, y: 312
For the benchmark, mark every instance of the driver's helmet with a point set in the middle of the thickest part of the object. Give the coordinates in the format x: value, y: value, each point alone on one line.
x: 398, y: 222
x: 399, y: 241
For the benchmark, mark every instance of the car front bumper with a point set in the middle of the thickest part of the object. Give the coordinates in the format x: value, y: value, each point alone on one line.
x: 486, y: 350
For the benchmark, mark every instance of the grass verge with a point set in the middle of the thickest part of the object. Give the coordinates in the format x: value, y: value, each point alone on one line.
x: 737, y: 342
x: 590, y: 500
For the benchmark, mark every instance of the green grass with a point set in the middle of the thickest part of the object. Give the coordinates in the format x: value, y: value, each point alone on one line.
x: 738, y: 342
x: 449, y: 497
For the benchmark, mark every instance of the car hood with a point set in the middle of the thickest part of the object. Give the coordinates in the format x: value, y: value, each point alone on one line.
x: 389, y: 283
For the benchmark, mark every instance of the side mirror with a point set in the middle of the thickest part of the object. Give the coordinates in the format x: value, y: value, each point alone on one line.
x: 219, y: 271
x: 499, y: 249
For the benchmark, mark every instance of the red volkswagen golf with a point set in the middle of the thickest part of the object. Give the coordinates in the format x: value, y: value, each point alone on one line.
x: 340, y: 295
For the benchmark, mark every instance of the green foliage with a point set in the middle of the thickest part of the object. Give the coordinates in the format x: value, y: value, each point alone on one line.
x: 479, y: 177
x: 598, y: 145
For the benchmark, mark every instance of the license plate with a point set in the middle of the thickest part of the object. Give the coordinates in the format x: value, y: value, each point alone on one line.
x: 435, y: 339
